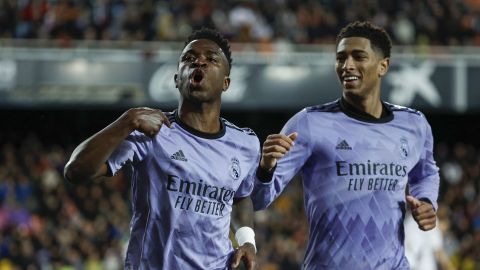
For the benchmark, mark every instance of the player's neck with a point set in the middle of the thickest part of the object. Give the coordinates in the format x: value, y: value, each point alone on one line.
x: 202, y: 118
x: 371, y: 106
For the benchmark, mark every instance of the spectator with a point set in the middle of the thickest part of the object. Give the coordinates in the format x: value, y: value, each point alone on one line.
x: 444, y: 22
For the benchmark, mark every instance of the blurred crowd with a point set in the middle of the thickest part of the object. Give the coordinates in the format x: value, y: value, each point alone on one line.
x: 428, y: 22
x: 46, y: 223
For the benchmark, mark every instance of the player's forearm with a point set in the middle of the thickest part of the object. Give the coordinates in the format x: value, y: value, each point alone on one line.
x: 242, y: 213
x: 242, y: 222
x: 88, y: 160
x: 426, y: 189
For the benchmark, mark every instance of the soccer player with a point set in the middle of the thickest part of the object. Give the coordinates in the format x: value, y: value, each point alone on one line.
x: 356, y: 155
x: 191, y: 169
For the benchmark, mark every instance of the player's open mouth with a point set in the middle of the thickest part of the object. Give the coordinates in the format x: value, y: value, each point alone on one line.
x: 197, y: 77
x: 350, y: 78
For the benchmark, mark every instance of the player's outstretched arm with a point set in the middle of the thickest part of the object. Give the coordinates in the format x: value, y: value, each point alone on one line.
x: 242, y: 224
x: 423, y: 213
x: 274, y: 148
x: 88, y: 160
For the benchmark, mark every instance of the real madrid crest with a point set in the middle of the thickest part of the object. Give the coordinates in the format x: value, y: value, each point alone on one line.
x: 235, y: 171
x: 404, y: 150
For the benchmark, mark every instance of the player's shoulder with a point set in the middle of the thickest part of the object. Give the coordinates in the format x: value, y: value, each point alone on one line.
x: 242, y: 130
x: 307, y: 114
x: 333, y: 106
x: 171, y: 116
x: 402, y: 109
x: 139, y: 135
x: 408, y: 115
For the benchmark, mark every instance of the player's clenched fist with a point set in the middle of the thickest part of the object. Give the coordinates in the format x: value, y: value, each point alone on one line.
x: 275, y: 147
x: 146, y: 120
x: 423, y: 213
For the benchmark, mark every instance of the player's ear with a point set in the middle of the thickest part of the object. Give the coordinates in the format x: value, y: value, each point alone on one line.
x: 175, y: 77
x: 383, y: 66
x: 226, y: 83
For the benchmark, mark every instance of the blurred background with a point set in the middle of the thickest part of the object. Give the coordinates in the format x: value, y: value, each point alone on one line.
x: 70, y: 67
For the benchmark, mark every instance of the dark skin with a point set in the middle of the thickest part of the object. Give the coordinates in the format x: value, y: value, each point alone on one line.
x: 245, y: 253
x: 359, y: 68
x: 199, y: 104
x: 201, y: 78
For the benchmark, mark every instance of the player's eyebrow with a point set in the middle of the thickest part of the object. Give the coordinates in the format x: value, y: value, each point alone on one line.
x: 209, y: 52
x: 356, y: 51
x: 214, y: 52
x: 359, y: 51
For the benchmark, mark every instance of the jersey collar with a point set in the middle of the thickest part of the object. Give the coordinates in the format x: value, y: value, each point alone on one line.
x: 351, y: 111
x: 199, y: 133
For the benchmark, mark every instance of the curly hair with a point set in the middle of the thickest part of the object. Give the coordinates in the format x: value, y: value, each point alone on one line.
x: 215, y: 36
x: 378, y: 37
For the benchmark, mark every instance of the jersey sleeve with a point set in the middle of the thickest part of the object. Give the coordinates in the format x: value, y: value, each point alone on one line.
x: 246, y: 186
x: 424, y: 179
x: 264, y: 193
x: 133, y: 149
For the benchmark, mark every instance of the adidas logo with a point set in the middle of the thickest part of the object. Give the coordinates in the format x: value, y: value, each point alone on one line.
x: 343, y: 145
x: 179, y: 156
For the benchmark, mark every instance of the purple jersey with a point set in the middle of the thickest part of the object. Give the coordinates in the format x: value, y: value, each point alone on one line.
x: 354, y: 172
x: 183, y: 186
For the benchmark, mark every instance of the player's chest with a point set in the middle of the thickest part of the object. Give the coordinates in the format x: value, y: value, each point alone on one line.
x: 367, y: 144
x: 209, y: 161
